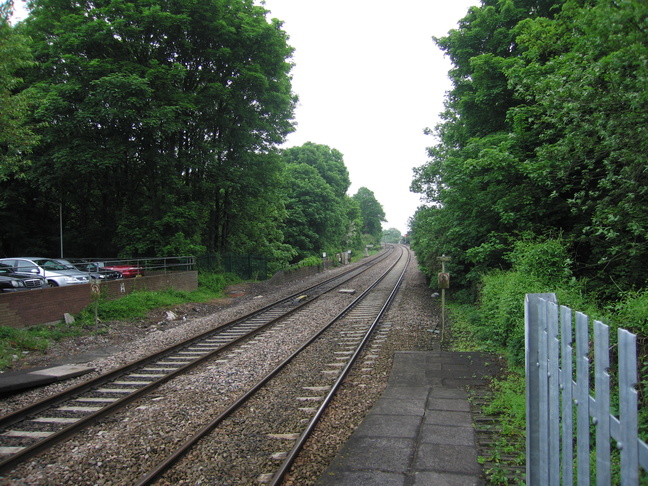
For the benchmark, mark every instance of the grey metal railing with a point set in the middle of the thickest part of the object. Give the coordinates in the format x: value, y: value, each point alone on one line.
x: 561, y: 410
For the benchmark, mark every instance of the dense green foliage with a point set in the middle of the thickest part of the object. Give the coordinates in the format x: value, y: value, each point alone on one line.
x: 539, y: 180
x: 496, y: 325
x: 16, y: 135
x: 372, y: 215
x: 321, y: 216
x: 156, y: 127
x: 392, y: 235
x: 543, y: 134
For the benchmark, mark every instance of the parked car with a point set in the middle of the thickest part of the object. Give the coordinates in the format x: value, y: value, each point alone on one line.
x: 93, y: 269
x: 11, y: 281
x: 128, y: 271
x: 54, y: 272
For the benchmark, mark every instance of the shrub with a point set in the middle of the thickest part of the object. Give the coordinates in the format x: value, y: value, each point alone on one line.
x: 546, y: 261
x: 538, y: 267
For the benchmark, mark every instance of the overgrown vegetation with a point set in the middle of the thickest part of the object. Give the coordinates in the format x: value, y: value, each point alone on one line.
x: 543, y: 134
x: 14, y: 343
x: 178, y: 152
x: 496, y: 325
x: 538, y: 181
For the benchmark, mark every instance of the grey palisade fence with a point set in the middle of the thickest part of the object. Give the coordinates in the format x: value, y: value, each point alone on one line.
x: 565, y: 414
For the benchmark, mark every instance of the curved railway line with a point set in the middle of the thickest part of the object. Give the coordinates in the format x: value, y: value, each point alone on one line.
x: 35, y: 429
x: 301, y: 387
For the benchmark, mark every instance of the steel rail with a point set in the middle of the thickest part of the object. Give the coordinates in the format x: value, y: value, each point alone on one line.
x: 299, y: 443
x: 173, y: 458
x: 84, y: 422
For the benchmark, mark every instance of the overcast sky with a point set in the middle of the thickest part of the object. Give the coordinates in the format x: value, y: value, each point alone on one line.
x: 370, y: 78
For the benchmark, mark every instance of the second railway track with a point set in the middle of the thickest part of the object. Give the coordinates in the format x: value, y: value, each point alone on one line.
x: 219, y: 378
x: 299, y: 389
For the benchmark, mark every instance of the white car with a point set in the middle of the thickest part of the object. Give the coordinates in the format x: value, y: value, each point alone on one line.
x: 54, y: 272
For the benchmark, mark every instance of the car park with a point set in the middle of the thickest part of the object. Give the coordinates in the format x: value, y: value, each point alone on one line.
x: 55, y: 273
x: 93, y: 269
x: 11, y: 281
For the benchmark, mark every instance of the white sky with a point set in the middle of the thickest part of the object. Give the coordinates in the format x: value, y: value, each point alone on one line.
x: 369, y: 80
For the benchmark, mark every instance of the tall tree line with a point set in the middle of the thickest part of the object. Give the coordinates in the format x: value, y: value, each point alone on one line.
x: 155, y: 126
x: 544, y: 135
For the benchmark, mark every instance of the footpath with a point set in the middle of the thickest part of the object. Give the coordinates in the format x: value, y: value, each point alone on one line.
x: 420, y: 431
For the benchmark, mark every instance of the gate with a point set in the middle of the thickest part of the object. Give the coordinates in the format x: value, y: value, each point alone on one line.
x: 563, y: 414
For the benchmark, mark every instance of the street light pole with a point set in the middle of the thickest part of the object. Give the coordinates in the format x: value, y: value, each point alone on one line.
x: 60, y: 205
x: 61, y: 226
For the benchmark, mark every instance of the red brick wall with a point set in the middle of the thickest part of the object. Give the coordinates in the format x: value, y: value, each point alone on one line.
x: 23, y: 309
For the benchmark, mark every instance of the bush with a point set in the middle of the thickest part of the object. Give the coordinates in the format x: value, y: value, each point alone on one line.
x: 502, y: 311
x: 546, y: 261
x: 538, y: 267
x: 216, y: 282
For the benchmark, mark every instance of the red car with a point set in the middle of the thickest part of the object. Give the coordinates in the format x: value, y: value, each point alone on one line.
x: 128, y: 271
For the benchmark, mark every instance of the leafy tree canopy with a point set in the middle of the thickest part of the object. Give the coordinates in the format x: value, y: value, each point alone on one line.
x: 158, y: 122
x: 16, y: 136
x: 320, y: 215
x: 392, y: 235
x: 328, y: 162
x: 543, y: 134
x: 372, y: 214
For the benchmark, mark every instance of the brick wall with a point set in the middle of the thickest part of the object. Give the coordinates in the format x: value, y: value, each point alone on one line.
x: 28, y: 308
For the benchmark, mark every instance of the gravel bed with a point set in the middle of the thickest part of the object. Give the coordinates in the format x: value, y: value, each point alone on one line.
x: 122, y: 447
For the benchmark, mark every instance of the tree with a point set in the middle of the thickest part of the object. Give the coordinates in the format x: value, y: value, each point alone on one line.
x: 583, y: 79
x: 476, y: 178
x: 327, y: 161
x: 563, y: 151
x: 16, y: 136
x: 165, y: 116
x: 320, y: 215
x: 314, y: 213
x: 372, y: 214
x: 392, y: 235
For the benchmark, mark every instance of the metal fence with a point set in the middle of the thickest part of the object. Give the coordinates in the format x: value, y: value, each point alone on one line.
x: 569, y: 428
x: 147, y: 265
x: 244, y: 266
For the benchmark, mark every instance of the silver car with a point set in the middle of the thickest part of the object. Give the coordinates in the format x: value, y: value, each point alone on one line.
x: 54, y: 272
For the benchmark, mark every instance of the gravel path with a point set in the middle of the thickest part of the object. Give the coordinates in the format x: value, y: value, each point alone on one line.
x: 97, y: 456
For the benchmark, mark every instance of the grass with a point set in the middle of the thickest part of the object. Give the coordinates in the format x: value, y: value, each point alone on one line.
x: 506, y: 398
x: 16, y: 343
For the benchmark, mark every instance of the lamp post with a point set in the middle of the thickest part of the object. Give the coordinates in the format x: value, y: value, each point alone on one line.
x: 60, y: 205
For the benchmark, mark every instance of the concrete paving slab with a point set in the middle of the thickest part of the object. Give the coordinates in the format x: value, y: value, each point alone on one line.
x: 13, y: 381
x: 362, y: 478
x: 453, y: 404
x: 458, y: 393
x: 384, y: 454
x: 389, y: 426
x: 406, y: 392
x: 420, y: 431
x: 440, y: 417
x: 447, y: 434
x: 427, y: 478
x: 447, y: 458
x: 396, y: 406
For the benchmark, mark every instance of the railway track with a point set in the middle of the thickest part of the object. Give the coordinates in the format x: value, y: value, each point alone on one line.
x: 34, y: 429
x: 299, y: 389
